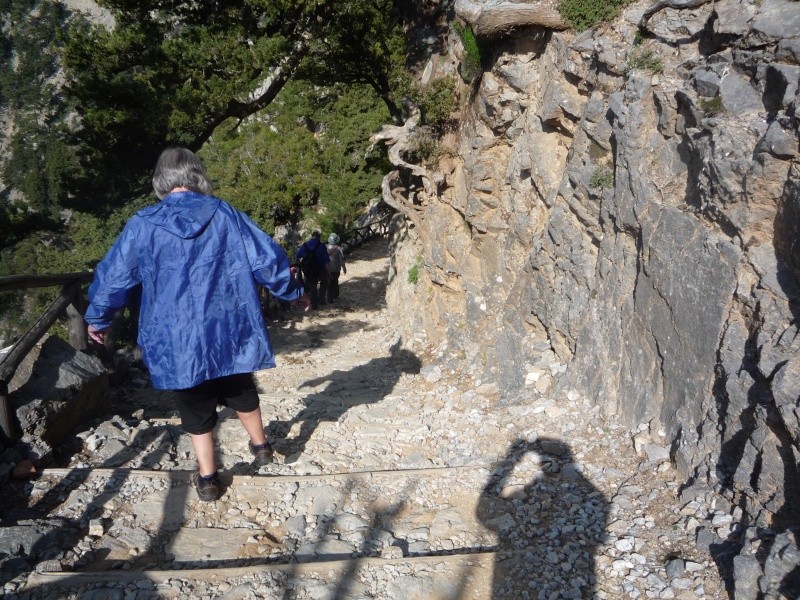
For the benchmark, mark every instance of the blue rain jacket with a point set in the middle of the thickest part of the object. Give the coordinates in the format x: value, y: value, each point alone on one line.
x: 198, y: 261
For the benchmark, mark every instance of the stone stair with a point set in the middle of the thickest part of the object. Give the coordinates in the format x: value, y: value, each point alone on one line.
x: 146, y: 526
x: 392, y: 481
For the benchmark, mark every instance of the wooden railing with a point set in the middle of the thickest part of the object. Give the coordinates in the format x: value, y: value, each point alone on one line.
x: 71, y: 299
x: 355, y: 237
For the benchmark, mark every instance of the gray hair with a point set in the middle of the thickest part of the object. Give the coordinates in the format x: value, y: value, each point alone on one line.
x: 179, y: 167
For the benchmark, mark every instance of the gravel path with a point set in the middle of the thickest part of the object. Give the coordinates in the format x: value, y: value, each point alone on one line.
x: 398, y: 474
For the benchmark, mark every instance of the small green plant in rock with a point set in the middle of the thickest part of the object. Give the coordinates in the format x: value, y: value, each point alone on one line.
x: 601, y: 178
x: 437, y: 101
x: 645, y: 59
x: 712, y: 106
x: 471, y: 63
x: 413, y: 274
x: 582, y: 14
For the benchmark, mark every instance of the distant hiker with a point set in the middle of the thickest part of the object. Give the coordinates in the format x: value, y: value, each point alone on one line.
x: 202, y: 334
x: 337, y: 266
x: 314, y: 261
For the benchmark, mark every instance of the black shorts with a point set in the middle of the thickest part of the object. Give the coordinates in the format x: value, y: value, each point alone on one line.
x: 198, y: 405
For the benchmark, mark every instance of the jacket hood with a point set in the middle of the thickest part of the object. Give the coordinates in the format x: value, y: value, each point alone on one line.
x: 185, y: 214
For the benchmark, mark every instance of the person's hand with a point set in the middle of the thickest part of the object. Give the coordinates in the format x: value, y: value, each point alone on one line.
x: 98, y: 335
x: 303, y: 302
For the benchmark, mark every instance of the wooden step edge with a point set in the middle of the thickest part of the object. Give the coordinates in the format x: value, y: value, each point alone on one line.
x: 177, y: 475
x: 485, y: 560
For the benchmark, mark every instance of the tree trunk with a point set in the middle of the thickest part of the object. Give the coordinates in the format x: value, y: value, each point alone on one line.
x: 495, y: 17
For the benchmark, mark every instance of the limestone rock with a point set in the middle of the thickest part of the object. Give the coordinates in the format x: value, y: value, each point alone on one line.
x: 786, y: 388
x: 738, y: 95
x: 55, y: 388
x: 706, y: 82
x: 776, y: 20
x: 733, y: 17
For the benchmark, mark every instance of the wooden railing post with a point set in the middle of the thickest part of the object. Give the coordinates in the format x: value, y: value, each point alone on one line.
x: 7, y: 433
x: 78, y: 337
x: 9, y: 364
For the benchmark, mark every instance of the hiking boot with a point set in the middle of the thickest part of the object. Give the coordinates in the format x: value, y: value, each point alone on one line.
x: 262, y: 454
x: 207, y: 488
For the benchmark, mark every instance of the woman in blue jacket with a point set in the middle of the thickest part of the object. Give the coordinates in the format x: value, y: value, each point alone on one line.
x: 202, y: 334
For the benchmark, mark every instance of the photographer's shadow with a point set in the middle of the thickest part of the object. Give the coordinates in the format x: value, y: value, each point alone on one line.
x: 548, y: 528
x: 363, y: 384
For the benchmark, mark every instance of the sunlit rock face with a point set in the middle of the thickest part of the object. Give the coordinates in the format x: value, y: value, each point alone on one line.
x: 620, y: 220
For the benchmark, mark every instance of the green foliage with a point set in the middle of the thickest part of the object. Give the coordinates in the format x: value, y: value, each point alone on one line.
x: 424, y: 146
x: 77, y: 245
x: 172, y: 71
x: 645, y: 59
x: 368, y: 47
x: 471, y: 63
x: 30, y: 51
x: 39, y: 162
x: 414, y: 271
x: 582, y: 14
x: 307, y: 158
x: 413, y: 274
x: 712, y: 106
x: 186, y: 72
x: 438, y: 101
x: 602, y: 178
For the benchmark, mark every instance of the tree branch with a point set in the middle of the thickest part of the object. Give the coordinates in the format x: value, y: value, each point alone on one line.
x: 397, y: 202
x: 397, y: 139
x: 259, y: 98
x: 489, y: 18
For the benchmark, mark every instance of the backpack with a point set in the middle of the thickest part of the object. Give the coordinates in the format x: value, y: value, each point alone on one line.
x: 309, y: 264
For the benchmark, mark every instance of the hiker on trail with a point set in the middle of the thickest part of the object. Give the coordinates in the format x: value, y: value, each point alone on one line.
x: 198, y: 261
x: 337, y: 266
x: 314, y: 263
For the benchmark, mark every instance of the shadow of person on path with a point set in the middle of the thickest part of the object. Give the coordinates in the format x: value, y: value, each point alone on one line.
x: 363, y: 384
x: 547, y: 527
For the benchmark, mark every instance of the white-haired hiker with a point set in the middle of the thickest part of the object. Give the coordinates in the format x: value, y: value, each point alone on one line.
x: 336, y: 265
x: 199, y: 262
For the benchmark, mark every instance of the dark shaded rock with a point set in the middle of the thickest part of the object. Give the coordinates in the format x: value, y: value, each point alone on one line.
x: 780, y: 86
x: 776, y: 20
x: 706, y: 82
x: 778, y: 142
x: 38, y: 539
x: 746, y: 572
x: 782, y: 567
x: 55, y: 388
x: 676, y: 568
x: 738, y: 95
x: 788, y: 51
x: 786, y: 390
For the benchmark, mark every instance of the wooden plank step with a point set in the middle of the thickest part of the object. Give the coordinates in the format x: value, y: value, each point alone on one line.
x: 155, y: 517
x: 466, y: 577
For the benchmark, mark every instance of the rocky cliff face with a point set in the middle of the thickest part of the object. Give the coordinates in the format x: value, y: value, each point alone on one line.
x: 629, y: 207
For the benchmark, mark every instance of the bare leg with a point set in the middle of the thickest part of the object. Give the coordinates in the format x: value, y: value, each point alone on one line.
x: 253, y: 425
x: 204, y: 450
